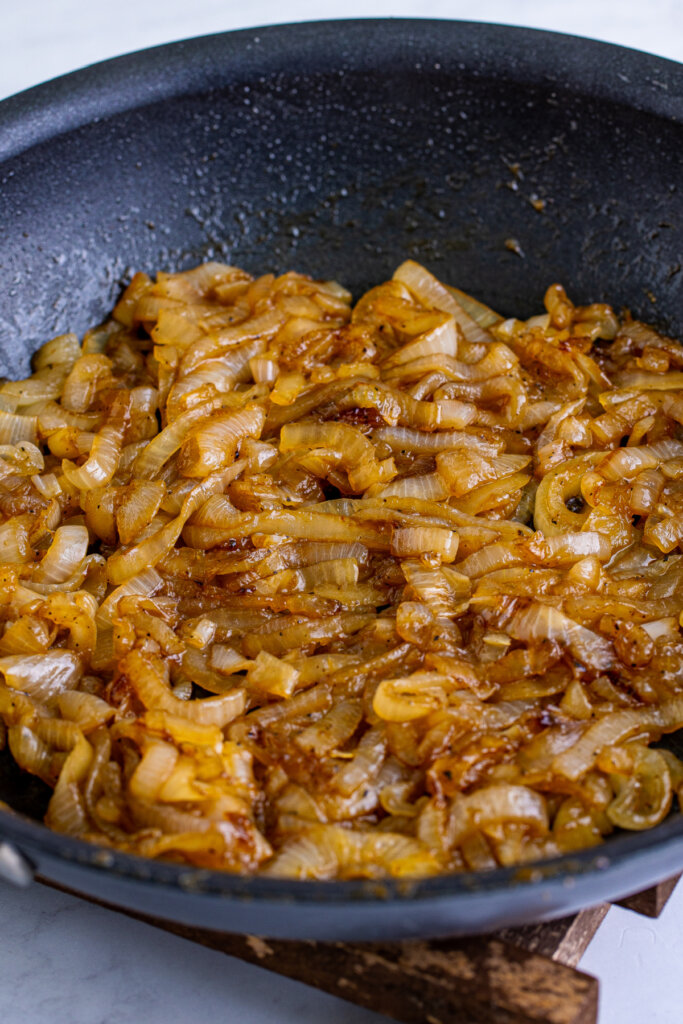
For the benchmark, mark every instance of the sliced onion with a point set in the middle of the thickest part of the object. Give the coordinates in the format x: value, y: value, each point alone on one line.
x: 168, y: 441
x: 65, y: 555
x: 612, y: 729
x: 365, y: 764
x: 14, y: 542
x: 414, y: 541
x: 273, y: 675
x: 335, y: 727
x: 42, y: 676
x: 126, y: 564
x: 429, y: 487
x: 145, y: 583
x: 157, y: 762
x: 645, y: 798
x: 148, y: 678
x: 462, y: 471
x: 508, y: 803
x: 625, y: 463
x: 258, y: 327
x: 80, y: 387
x: 647, y: 488
x: 543, y: 622
x: 14, y: 429
x: 212, y: 445
x: 441, y: 340
x: 407, y: 698
x: 431, y: 291
x: 101, y: 464
x: 404, y: 439
x: 551, y: 514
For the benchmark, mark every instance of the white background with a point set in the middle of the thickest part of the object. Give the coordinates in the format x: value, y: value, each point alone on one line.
x: 65, y: 961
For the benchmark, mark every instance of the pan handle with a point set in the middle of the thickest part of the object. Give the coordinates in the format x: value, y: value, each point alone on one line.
x: 14, y: 866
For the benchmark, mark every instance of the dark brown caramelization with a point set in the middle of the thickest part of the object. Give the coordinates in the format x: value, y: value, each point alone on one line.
x: 317, y: 590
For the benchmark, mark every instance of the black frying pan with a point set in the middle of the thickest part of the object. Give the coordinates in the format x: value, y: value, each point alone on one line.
x: 340, y: 149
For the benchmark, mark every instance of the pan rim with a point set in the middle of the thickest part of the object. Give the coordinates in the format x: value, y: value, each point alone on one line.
x: 649, y: 83
x: 33, y: 839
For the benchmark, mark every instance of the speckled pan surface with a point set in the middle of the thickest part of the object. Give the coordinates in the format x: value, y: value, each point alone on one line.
x: 339, y: 149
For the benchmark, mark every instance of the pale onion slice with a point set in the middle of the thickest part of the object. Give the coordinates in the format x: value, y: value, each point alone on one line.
x: 441, y: 340
x: 549, y: 432
x: 463, y: 470
x: 42, y: 676
x: 160, y: 449
x: 565, y: 549
x: 156, y: 765
x: 74, y: 612
x: 64, y: 557
x: 642, y: 381
x: 644, y: 798
x: 30, y: 753
x: 81, y: 385
x: 326, y: 851
x: 227, y: 660
x: 497, y: 361
x: 15, y: 429
x: 434, y: 294
x: 647, y: 489
x: 137, y: 507
x: 613, y: 728
x: 15, y: 545
x: 356, y: 453
x: 490, y: 496
x: 209, y: 528
x: 216, y: 375
x: 145, y: 583
x: 482, y: 314
x: 212, y: 445
x: 216, y: 345
x: 414, y: 541
x: 490, y: 558
x: 264, y: 369
x: 508, y: 803
x: 24, y: 458
x: 626, y: 463
x: 148, y: 677
x: 126, y: 564
x: 85, y: 709
x: 405, y: 439
x: 541, y: 622
x: 665, y: 533
x: 272, y: 675
x: 365, y: 764
x: 62, y: 352
x: 101, y: 464
x: 428, y: 487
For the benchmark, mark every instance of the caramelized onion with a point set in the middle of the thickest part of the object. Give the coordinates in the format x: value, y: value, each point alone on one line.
x: 233, y: 630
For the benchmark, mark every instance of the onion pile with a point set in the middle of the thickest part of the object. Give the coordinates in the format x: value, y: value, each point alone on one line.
x: 315, y: 590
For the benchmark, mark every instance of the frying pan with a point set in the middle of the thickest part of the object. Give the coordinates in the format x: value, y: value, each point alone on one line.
x: 504, y: 159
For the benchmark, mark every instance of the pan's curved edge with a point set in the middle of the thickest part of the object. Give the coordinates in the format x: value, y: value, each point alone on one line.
x: 463, y: 903
x: 649, y: 83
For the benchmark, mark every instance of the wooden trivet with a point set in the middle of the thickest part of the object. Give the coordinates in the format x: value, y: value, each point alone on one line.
x: 514, y: 976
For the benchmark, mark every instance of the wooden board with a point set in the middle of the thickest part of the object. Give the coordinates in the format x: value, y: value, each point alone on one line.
x: 650, y: 902
x: 521, y: 975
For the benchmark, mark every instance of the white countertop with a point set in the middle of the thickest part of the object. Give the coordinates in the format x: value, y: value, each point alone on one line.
x: 62, y: 960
